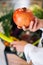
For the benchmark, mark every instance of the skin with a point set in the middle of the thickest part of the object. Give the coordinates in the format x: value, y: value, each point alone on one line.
x: 19, y: 45
x: 34, y: 26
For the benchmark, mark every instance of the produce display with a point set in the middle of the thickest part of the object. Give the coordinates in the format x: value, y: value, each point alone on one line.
x: 23, y: 17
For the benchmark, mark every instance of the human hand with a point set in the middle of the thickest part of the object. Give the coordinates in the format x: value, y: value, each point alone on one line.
x: 19, y: 45
x: 34, y: 26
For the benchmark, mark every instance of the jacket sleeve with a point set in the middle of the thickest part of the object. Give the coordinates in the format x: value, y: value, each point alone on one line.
x: 34, y: 53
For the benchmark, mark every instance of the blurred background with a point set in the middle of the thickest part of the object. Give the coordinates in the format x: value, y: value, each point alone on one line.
x: 9, y: 28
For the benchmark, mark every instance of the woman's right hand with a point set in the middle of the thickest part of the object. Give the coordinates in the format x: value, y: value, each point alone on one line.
x: 34, y: 26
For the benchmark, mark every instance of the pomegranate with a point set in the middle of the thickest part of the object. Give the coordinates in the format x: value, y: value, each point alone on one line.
x: 23, y: 17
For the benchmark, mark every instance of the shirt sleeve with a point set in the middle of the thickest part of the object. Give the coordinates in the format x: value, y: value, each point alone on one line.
x: 34, y: 53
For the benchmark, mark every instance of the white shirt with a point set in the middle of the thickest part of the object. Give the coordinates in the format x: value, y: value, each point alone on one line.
x: 34, y: 53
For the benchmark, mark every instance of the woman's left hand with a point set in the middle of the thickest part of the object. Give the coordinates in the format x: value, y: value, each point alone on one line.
x: 19, y: 45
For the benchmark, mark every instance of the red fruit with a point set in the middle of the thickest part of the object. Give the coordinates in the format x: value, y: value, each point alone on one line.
x: 23, y: 17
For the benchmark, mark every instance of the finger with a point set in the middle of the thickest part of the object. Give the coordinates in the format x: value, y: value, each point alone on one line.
x: 15, y: 42
x: 24, y: 28
x: 18, y: 27
x: 31, y: 25
x: 36, y: 22
x: 14, y: 46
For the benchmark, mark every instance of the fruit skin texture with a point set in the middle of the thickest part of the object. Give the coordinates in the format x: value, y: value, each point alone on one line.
x: 23, y: 17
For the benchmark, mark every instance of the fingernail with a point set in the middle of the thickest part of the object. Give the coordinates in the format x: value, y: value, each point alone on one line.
x: 31, y: 25
x: 24, y: 28
x: 31, y: 21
